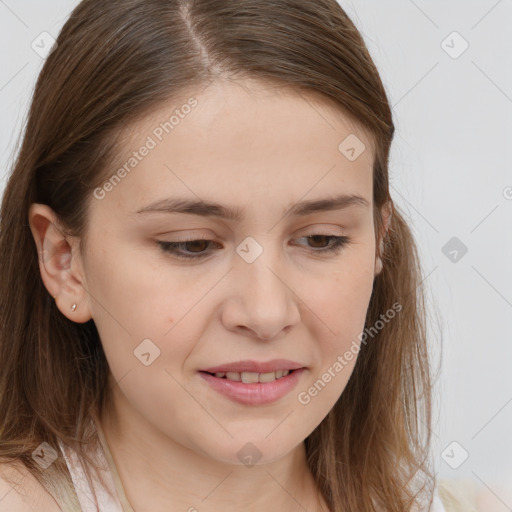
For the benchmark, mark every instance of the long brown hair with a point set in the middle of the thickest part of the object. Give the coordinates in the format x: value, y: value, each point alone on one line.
x: 114, y: 62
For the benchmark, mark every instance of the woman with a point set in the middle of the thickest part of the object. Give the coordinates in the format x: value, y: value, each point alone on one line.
x: 209, y: 300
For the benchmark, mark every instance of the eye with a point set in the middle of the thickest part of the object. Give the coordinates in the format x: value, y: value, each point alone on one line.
x: 338, y: 242
x: 198, y: 248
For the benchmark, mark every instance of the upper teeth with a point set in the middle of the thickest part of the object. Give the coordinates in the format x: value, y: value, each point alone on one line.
x: 248, y: 377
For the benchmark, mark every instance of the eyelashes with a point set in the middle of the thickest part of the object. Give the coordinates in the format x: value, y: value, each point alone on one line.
x: 174, y: 248
x: 199, y: 246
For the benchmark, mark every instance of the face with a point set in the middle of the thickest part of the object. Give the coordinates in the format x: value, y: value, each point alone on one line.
x: 261, y: 274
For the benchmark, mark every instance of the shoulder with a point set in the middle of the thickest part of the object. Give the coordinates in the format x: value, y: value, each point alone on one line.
x: 447, y: 496
x: 457, y: 495
x: 468, y: 495
x: 20, y: 491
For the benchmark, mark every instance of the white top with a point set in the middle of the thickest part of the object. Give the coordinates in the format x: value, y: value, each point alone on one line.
x: 94, y: 497
x: 437, y: 505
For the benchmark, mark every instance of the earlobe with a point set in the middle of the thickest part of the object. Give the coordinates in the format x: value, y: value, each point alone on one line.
x: 56, y: 263
x: 378, y: 260
x: 387, y: 214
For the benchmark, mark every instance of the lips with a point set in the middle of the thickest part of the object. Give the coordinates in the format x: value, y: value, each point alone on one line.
x: 253, y: 392
x: 255, y: 366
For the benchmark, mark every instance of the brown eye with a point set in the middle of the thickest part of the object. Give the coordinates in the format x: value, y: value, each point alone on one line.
x: 196, y: 245
x: 319, y: 241
x: 191, y: 249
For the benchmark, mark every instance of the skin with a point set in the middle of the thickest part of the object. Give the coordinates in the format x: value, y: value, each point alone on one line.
x: 175, y: 439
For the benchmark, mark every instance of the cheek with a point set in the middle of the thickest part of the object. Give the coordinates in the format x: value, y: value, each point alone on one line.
x: 340, y: 302
x: 340, y: 299
x: 340, y: 308
x: 126, y: 290
x: 142, y: 317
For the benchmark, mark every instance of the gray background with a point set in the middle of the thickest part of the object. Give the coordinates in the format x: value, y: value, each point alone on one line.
x: 451, y: 174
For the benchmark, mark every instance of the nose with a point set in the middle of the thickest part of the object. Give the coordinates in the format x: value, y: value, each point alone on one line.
x: 261, y: 298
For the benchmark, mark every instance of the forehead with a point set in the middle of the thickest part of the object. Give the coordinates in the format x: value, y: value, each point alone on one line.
x: 243, y: 140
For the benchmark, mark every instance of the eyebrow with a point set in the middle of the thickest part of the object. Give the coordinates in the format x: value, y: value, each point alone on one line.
x: 212, y: 209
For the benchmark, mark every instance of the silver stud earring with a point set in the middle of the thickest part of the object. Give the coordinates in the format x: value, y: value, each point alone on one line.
x: 73, y: 307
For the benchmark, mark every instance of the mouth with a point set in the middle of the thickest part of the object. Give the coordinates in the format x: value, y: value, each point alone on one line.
x: 251, y: 377
x: 252, y: 382
x: 258, y: 367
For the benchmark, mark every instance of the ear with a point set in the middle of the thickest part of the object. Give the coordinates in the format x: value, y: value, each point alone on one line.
x: 60, y: 263
x: 387, y: 213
